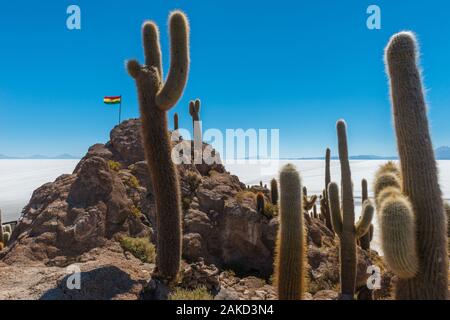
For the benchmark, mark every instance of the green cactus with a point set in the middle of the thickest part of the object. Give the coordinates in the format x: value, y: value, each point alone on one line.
x: 260, y: 203
x: 416, y: 213
x: 315, y: 212
x: 398, y: 235
x: 365, y: 240
x: 324, y: 205
x: 156, y: 97
x: 6, y: 237
x: 175, y: 121
x: 290, y: 270
x: 7, y: 228
x: 309, y: 202
x: 344, y: 221
x: 274, y: 191
x: 194, y: 109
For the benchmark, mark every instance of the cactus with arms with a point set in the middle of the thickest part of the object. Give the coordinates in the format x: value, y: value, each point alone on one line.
x: 290, y: 249
x: 344, y: 221
x: 415, y: 213
x: 365, y: 240
x: 156, y: 97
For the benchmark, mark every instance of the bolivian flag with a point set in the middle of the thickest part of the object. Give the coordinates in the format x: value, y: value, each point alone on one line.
x: 112, y: 99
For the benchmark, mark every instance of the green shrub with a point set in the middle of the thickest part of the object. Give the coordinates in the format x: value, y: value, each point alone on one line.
x: 213, y: 173
x: 114, y: 166
x: 186, y: 203
x: 241, y: 195
x: 133, y: 182
x: 197, y: 294
x: 193, y: 179
x: 270, y: 210
x: 141, y: 248
x: 135, y: 211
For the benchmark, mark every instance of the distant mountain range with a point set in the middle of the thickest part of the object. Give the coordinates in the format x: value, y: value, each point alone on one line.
x: 441, y: 153
x: 42, y: 157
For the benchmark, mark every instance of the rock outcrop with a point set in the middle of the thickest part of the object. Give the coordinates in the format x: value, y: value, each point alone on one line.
x: 109, y: 195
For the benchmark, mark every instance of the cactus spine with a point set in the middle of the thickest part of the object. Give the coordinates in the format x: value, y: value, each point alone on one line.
x: 419, y: 180
x: 274, y: 191
x: 156, y: 97
x: 290, y: 246
x: 344, y: 221
x: 260, y: 203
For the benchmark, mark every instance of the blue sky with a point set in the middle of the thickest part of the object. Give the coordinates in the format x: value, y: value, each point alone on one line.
x: 293, y: 65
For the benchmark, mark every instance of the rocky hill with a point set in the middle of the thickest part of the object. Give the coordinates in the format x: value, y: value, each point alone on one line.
x: 227, y: 246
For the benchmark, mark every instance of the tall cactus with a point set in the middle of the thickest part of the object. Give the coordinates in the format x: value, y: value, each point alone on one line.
x: 324, y: 206
x: 274, y: 191
x: 344, y: 221
x: 194, y: 111
x: 290, y: 249
x: 367, y: 237
x: 156, y: 97
x: 420, y: 199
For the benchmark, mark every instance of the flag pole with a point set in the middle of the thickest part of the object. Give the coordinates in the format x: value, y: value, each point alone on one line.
x: 120, y: 108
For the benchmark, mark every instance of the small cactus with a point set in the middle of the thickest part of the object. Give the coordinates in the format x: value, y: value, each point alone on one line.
x: 194, y: 111
x: 260, y: 203
x: 344, y: 220
x: 274, y: 191
x: 7, y: 228
x: 290, y: 251
x: 6, y: 237
x: 309, y: 202
x: 175, y: 121
x: 413, y: 214
x: 156, y: 97
x: 365, y: 239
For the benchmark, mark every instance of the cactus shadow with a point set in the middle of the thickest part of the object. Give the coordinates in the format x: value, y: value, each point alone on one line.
x: 103, y: 283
